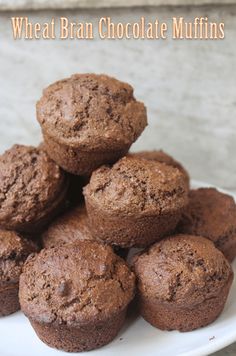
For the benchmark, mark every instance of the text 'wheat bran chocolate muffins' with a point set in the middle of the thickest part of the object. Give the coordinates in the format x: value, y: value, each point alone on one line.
x: 163, y: 157
x: 88, y: 120
x: 13, y: 252
x: 183, y: 282
x: 32, y: 189
x: 76, y: 295
x: 211, y: 214
x: 136, y: 202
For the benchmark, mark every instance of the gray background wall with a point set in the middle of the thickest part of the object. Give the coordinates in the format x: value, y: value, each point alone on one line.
x: 188, y: 86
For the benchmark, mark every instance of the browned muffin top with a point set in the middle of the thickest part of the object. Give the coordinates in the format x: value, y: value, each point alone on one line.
x: 76, y: 284
x: 69, y: 227
x: 90, y: 109
x: 134, y: 185
x: 13, y: 252
x: 163, y: 157
x: 29, y: 183
x: 182, y: 269
x: 210, y: 213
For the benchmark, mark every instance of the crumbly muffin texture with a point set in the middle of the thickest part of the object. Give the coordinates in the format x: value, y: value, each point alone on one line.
x: 13, y: 252
x: 162, y: 157
x: 76, y: 284
x: 30, y: 183
x: 91, y: 110
x: 133, y: 186
x: 183, y: 270
x: 69, y: 227
x: 211, y: 214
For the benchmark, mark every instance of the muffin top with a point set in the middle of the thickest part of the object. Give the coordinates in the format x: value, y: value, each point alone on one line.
x: 209, y: 213
x: 13, y: 252
x: 90, y: 109
x: 29, y: 183
x: 135, y: 185
x: 183, y: 270
x: 77, y: 284
x: 69, y: 227
x: 163, y: 157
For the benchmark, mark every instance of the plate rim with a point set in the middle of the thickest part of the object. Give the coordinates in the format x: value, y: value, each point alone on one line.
x: 229, y: 339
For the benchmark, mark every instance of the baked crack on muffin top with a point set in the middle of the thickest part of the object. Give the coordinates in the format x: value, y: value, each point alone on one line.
x: 183, y: 270
x: 76, y: 284
x: 91, y: 110
x: 30, y: 184
x: 134, y: 185
x: 162, y: 157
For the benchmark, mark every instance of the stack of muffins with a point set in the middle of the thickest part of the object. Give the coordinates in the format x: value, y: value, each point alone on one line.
x: 72, y: 208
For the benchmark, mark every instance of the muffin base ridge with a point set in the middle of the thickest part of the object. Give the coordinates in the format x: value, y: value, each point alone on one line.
x: 77, y: 161
x: 78, y: 339
x: 167, y: 317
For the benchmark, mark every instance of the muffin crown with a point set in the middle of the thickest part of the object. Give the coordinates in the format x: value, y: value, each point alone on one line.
x: 76, y: 284
x: 29, y: 183
x: 210, y: 213
x: 90, y: 109
x: 135, y: 185
x: 69, y: 227
x: 183, y: 270
x: 13, y: 252
x: 162, y: 157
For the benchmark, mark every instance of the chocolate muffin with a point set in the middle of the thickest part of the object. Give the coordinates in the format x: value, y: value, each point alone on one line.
x: 13, y: 252
x: 136, y: 202
x: 76, y: 295
x: 183, y: 283
x: 211, y: 214
x: 32, y: 189
x: 88, y: 120
x: 163, y: 157
x: 75, y: 186
x: 69, y: 227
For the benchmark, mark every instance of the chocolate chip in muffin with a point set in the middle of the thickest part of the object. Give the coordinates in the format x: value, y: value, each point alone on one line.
x: 76, y: 295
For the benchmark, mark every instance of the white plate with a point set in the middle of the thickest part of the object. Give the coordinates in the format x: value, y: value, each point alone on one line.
x: 17, y: 338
